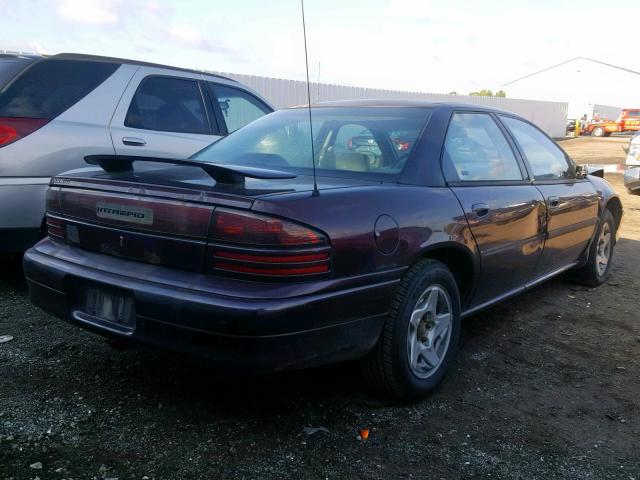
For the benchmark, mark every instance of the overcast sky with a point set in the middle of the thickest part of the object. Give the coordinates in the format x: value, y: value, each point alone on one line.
x: 421, y: 45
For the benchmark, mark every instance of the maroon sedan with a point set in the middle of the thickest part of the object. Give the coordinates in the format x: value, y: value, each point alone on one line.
x: 238, y: 255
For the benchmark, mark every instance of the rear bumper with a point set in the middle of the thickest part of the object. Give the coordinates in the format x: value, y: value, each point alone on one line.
x: 257, y: 327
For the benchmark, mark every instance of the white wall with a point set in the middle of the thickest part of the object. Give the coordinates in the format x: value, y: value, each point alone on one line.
x: 550, y: 116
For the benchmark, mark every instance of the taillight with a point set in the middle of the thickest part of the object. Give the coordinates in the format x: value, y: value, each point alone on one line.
x: 55, y: 227
x: 248, y: 228
x: 258, y: 245
x: 13, y: 129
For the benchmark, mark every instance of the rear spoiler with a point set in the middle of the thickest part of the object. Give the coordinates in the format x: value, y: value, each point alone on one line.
x: 229, y: 174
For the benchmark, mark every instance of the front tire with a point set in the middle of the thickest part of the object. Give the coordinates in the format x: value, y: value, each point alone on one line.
x: 598, y: 267
x: 597, y: 132
x: 419, y: 341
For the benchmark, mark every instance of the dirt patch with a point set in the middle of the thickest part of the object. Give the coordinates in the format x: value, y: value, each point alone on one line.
x: 605, y: 150
x: 546, y: 387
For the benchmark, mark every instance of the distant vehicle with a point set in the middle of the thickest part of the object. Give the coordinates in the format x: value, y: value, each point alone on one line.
x: 56, y: 109
x: 571, y: 125
x: 628, y: 121
x: 234, y: 255
x: 632, y: 170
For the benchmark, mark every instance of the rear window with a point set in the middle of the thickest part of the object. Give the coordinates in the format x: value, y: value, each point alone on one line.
x: 9, y: 67
x: 363, y: 141
x: 50, y: 87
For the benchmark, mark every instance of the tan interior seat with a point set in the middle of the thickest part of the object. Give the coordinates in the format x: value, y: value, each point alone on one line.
x: 355, y: 162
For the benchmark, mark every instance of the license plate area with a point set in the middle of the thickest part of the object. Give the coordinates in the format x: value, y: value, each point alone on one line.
x: 103, y: 305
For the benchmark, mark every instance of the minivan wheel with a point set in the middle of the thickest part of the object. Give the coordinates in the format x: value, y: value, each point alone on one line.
x: 419, y: 341
x: 598, y: 267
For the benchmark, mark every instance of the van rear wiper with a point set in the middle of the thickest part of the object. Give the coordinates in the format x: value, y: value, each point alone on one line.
x: 227, y: 174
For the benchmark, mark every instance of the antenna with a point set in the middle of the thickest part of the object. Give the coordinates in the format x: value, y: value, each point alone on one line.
x: 306, y: 60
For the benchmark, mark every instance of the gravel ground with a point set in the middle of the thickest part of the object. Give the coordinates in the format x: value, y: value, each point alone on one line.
x: 598, y: 150
x: 546, y: 386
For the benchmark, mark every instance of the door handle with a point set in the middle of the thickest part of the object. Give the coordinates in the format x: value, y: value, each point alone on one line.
x: 480, y: 209
x: 553, y: 202
x: 134, y: 141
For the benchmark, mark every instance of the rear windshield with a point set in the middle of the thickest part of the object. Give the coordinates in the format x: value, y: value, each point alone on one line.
x: 363, y: 141
x: 50, y: 87
x: 9, y: 67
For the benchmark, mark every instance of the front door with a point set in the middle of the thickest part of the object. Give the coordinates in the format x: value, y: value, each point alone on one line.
x: 505, y: 212
x: 572, y: 204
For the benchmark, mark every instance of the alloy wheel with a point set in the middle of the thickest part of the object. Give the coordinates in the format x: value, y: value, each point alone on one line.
x: 429, y: 331
x: 603, y: 249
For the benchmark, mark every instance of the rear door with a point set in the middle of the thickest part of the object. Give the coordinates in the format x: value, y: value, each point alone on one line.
x: 505, y: 212
x: 163, y: 114
x: 572, y: 204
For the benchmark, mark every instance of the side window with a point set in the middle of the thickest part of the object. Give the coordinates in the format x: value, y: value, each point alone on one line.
x: 49, y: 87
x: 168, y: 105
x: 476, y: 150
x: 238, y: 107
x: 547, y: 160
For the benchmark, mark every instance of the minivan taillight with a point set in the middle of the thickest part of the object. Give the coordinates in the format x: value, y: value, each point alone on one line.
x: 14, y: 128
x: 252, y: 244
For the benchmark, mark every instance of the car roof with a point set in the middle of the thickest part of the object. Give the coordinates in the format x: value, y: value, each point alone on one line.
x: 406, y: 103
x: 99, y: 58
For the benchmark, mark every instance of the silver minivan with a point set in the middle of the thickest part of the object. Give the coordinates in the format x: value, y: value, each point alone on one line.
x: 54, y: 110
x: 632, y: 169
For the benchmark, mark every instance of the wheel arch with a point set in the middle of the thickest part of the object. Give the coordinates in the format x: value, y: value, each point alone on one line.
x: 614, y: 205
x: 460, y: 261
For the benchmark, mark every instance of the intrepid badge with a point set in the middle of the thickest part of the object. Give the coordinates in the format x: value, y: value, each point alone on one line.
x: 125, y: 213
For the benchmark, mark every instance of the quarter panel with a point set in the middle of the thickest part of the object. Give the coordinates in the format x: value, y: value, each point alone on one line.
x: 426, y: 216
x: 62, y: 143
x: 22, y: 206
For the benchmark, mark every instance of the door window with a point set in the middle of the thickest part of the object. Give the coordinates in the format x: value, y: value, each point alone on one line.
x: 168, y: 105
x: 476, y: 150
x: 238, y: 107
x: 547, y: 160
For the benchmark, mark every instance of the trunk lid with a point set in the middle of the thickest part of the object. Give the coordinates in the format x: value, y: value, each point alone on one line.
x: 155, y: 215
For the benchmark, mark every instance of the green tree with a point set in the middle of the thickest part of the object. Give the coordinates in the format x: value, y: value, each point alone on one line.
x: 482, y: 93
x: 488, y: 93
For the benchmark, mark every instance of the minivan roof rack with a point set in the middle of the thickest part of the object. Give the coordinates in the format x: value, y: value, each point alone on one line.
x: 99, y: 58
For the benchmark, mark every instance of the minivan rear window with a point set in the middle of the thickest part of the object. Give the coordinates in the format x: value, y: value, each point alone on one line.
x: 49, y: 87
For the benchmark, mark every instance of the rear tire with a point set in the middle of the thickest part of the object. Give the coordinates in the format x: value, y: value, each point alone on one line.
x: 598, y: 267
x: 597, y: 132
x: 419, y: 341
